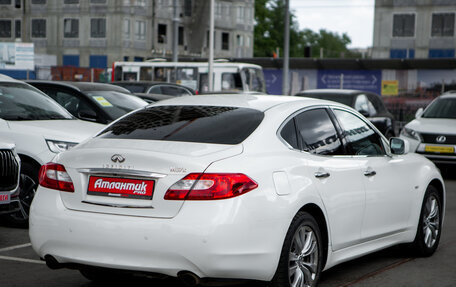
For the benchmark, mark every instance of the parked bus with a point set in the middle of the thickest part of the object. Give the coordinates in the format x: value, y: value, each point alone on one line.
x: 228, y: 77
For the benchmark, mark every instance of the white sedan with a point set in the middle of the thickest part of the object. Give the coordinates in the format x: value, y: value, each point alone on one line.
x: 236, y: 187
x: 433, y: 132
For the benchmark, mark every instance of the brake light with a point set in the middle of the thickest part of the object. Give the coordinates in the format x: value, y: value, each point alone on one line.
x: 209, y: 186
x: 55, y: 176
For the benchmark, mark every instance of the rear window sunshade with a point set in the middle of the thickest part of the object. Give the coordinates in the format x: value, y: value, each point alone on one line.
x: 202, y: 124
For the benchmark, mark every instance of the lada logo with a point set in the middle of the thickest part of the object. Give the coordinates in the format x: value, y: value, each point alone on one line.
x: 441, y: 139
x: 117, y: 158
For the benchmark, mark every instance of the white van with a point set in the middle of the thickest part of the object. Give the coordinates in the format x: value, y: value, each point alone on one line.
x: 228, y: 77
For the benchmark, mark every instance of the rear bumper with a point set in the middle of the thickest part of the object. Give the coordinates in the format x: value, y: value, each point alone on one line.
x: 210, y: 239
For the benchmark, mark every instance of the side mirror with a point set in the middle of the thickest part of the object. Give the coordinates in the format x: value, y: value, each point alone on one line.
x: 399, y: 146
x: 88, y: 115
x: 419, y: 113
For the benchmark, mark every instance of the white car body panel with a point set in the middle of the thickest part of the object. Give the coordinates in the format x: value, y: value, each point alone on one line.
x: 240, y: 237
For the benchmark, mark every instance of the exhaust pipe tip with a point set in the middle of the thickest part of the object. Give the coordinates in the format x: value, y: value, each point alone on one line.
x: 189, y: 278
x: 52, y: 263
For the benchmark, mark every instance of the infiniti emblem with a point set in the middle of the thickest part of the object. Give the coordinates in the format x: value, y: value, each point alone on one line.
x: 441, y: 139
x: 117, y: 158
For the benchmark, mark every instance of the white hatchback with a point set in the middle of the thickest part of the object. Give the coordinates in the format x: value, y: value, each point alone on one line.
x: 433, y: 132
x: 236, y: 187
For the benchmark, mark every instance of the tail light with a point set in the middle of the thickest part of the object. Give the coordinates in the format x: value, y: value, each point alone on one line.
x: 53, y: 175
x: 209, y: 186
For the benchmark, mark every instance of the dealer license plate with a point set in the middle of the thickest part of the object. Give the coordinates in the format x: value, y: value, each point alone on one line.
x: 439, y: 149
x: 121, y: 187
x: 5, y: 198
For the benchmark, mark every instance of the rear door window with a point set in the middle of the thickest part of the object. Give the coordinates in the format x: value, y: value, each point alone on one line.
x: 318, y: 134
x: 288, y: 133
x: 202, y: 124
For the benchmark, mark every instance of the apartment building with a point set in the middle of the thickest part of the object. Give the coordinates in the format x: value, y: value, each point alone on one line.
x: 414, y: 29
x: 94, y: 33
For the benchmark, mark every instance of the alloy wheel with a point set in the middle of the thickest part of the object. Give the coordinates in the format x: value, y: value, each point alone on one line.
x: 303, y: 258
x: 431, y: 221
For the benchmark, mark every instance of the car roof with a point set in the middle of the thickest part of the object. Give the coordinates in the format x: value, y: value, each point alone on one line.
x: 448, y: 95
x: 258, y: 102
x: 83, y: 86
x: 346, y: 92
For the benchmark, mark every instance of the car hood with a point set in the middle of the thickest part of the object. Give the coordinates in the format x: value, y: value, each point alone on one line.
x: 62, y: 130
x: 433, y: 126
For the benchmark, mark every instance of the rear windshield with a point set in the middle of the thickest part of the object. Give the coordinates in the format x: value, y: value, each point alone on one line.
x: 116, y: 104
x: 202, y: 124
x: 134, y: 88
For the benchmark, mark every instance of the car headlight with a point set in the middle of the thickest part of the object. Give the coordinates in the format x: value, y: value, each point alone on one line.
x: 59, y: 146
x: 406, y: 132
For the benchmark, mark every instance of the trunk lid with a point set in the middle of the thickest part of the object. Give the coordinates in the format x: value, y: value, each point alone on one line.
x: 137, y: 162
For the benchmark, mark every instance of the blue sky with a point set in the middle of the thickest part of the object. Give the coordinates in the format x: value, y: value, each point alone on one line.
x: 354, y: 17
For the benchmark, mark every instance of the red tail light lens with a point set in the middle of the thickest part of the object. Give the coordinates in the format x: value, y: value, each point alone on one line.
x: 210, y: 186
x: 53, y: 175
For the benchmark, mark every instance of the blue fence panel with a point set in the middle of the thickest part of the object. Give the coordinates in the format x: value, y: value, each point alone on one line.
x: 19, y: 74
x: 71, y: 60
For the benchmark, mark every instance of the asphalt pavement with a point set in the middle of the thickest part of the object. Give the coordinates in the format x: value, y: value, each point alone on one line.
x: 20, y: 266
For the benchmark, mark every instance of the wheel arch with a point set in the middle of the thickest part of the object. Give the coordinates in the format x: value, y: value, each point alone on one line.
x: 319, y: 216
x: 440, y: 189
x: 27, y: 159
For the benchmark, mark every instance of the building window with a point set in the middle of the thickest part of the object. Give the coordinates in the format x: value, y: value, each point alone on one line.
x: 126, y: 28
x: 443, y: 25
x: 180, y: 38
x: 161, y: 33
x: 98, y: 1
x: 70, y: 28
x: 17, y: 28
x: 70, y: 1
x: 247, y: 42
x: 17, y: 4
x: 240, y: 14
x: 38, y: 28
x: 225, y: 41
x: 5, y: 29
x: 140, y: 30
x: 240, y: 40
x: 141, y: 3
x: 38, y: 2
x: 188, y: 7
x: 404, y: 25
x: 98, y: 28
x: 5, y: 2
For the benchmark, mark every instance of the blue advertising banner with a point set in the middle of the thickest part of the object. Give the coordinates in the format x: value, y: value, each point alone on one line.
x: 364, y: 80
x: 273, y: 79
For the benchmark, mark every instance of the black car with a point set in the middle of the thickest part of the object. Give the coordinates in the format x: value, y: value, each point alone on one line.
x: 155, y: 91
x: 95, y: 102
x: 368, y: 104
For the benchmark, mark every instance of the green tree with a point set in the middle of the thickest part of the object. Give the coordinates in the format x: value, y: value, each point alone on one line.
x: 268, y: 33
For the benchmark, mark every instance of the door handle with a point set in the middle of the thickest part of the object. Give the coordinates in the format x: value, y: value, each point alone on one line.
x: 370, y: 173
x: 322, y: 174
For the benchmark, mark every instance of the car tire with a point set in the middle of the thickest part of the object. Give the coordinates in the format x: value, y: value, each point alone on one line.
x: 27, y: 187
x: 430, y: 224
x: 301, y: 258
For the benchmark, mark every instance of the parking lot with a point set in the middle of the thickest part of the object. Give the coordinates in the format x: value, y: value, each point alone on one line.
x: 20, y: 266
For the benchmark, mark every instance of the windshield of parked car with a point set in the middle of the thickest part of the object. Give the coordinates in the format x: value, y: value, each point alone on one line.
x: 202, y: 124
x: 442, y: 108
x: 20, y: 102
x: 343, y: 99
x: 116, y: 104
